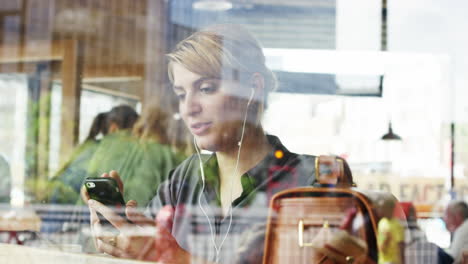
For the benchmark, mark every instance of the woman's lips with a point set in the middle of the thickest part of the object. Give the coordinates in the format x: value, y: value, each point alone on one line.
x: 200, y: 128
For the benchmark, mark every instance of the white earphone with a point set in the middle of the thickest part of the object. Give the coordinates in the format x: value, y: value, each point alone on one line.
x: 218, y: 248
x: 252, y: 93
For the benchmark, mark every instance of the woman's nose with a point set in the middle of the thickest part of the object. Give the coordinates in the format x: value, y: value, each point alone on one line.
x: 192, y: 105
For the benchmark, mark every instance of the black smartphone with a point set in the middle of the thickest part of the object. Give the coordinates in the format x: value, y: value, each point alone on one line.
x: 106, y: 191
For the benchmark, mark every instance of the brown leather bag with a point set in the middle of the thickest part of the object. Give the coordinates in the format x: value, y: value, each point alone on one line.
x: 322, y: 224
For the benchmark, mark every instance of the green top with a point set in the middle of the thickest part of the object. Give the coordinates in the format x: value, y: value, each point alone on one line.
x: 66, y: 183
x: 141, y: 164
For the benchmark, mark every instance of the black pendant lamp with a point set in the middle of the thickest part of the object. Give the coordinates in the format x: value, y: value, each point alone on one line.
x: 390, y: 135
x: 383, y: 46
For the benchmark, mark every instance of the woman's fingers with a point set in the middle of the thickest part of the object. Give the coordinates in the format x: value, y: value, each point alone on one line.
x: 84, y: 194
x: 166, y: 248
x: 94, y: 219
x: 134, y: 215
x: 133, y: 241
x: 94, y: 224
x: 111, y: 246
x: 147, y: 248
x: 115, y: 175
x: 108, y: 213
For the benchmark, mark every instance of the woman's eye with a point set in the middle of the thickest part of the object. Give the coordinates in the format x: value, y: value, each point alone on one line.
x: 207, y: 89
x: 180, y: 96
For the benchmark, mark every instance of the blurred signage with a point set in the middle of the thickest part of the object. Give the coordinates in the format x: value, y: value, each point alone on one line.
x: 420, y: 190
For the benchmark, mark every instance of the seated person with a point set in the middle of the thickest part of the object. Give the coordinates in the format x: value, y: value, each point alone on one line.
x: 211, y: 200
x: 417, y: 248
x: 67, y: 182
x: 143, y: 156
x: 456, y: 221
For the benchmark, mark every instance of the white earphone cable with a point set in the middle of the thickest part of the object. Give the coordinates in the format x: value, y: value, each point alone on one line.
x: 218, y: 249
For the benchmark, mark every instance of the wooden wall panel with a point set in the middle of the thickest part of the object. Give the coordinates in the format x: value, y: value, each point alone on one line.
x: 113, y: 33
x: 72, y: 66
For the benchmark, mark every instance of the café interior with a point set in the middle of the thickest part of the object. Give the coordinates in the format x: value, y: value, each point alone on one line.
x: 381, y: 84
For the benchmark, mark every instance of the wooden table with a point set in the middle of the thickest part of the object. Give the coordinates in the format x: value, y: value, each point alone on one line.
x: 16, y: 254
x: 14, y: 221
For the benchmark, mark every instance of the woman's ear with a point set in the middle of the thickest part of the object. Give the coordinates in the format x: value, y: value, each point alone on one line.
x: 258, y: 86
x: 113, y: 127
x: 257, y: 98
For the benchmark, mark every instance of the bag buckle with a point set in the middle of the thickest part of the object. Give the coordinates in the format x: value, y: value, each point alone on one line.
x: 300, y: 233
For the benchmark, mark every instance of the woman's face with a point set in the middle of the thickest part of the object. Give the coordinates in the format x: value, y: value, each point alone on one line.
x: 212, y: 109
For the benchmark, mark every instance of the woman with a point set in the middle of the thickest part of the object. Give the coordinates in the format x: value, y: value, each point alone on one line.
x: 212, y: 201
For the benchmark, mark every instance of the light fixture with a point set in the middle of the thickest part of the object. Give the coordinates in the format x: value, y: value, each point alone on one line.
x: 212, y: 5
x: 390, y: 135
x: 383, y: 47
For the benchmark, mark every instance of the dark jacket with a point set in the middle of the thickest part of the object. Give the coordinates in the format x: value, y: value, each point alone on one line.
x: 279, y: 170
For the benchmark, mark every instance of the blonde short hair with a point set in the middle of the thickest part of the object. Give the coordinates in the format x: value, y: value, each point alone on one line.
x: 223, y: 51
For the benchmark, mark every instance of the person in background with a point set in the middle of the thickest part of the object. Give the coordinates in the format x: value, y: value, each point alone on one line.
x: 456, y: 222
x: 144, y: 155
x: 67, y: 182
x: 417, y: 249
x: 5, y: 180
x: 390, y: 234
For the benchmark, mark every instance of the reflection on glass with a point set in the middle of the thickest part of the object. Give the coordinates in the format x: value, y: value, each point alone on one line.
x: 63, y: 62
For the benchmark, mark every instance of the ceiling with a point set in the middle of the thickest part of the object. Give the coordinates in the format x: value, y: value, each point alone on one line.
x: 115, y: 34
x: 277, y: 24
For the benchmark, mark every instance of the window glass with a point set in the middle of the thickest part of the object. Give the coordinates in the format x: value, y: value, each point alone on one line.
x: 233, y: 131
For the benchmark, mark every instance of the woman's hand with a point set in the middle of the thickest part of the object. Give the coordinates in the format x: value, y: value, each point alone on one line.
x: 142, y: 239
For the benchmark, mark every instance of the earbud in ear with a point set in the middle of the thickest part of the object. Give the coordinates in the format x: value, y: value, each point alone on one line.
x: 252, y: 93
